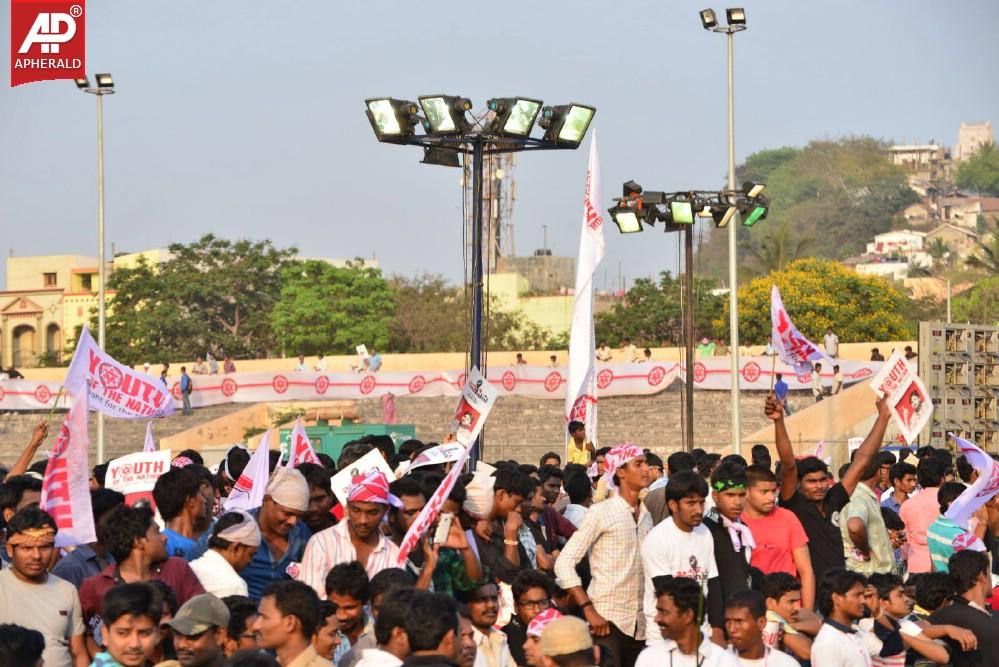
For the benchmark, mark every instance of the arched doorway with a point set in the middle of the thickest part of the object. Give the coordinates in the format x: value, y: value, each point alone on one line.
x: 53, y: 342
x: 23, y: 345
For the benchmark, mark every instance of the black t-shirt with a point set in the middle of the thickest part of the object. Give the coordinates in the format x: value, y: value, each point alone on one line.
x: 825, y: 544
x: 733, y: 572
x: 984, y: 626
x: 516, y: 635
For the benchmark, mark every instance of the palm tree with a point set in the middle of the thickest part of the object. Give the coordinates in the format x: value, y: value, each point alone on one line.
x: 939, y: 251
x: 779, y: 247
x: 987, y: 257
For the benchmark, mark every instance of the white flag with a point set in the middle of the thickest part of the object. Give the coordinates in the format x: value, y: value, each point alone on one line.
x: 248, y: 492
x: 581, y: 387
x: 793, y: 348
x: 150, y: 445
x: 300, y: 447
x: 979, y: 493
x: 66, y: 485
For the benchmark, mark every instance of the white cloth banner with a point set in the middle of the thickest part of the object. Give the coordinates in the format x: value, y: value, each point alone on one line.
x: 300, y: 447
x: 911, y: 409
x: 438, y: 455
x: 979, y: 493
x: 793, y: 349
x: 66, y: 485
x: 478, y: 397
x: 581, y: 389
x: 149, y: 445
x: 248, y: 492
x: 613, y: 379
x: 135, y: 475
x: 115, y: 389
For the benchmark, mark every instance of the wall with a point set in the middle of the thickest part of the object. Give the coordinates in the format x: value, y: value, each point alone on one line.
x: 25, y: 273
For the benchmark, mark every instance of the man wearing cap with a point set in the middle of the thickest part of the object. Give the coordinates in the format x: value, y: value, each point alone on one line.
x: 283, y: 534
x: 358, y: 538
x: 235, y: 539
x: 566, y: 642
x: 610, y: 535
x: 532, y: 642
x: 199, y: 632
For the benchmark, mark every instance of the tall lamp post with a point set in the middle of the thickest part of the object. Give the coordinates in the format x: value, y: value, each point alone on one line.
x: 105, y: 86
x: 449, y: 132
x: 736, y: 17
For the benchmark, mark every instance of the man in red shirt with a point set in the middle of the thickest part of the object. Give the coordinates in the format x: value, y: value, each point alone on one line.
x: 781, y: 543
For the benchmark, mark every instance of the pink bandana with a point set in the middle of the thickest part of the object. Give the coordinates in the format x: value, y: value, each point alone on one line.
x: 968, y: 541
x: 539, y: 622
x: 372, y: 488
x: 181, y: 462
x: 616, y: 458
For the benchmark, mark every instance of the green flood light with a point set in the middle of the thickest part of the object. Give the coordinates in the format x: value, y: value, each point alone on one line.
x: 756, y: 213
x: 682, y: 211
x: 566, y: 124
x: 514, y: 115
x: 626, y: 219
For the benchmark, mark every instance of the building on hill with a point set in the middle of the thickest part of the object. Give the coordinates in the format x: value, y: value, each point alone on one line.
x: 924, y: 164
x: 970, y: 136
x: 961, y: 240
x: 968, y: 211
x: 901, y: 242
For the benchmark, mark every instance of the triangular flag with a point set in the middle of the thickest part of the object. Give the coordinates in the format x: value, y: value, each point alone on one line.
x: 66, y: 485
x: 794, y: 349
x: 300, y: 447
x: 150, y: 445
x: 979, y: 493
x: 248, y: 492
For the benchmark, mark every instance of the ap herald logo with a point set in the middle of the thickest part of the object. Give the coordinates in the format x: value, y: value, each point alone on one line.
x: 47, y: 41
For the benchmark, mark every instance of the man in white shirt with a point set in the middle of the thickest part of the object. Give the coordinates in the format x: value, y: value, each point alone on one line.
x: 745, y: 618
x: 679, y: 612
x: 483, y: 606
x: 628, y: 351
x: 321, y: 364
x: 831, y: 341
x: 817, y: 392
x: 301, y: 367
x: 235, y: 539
x: 680, y: 545
x: 841, y: 601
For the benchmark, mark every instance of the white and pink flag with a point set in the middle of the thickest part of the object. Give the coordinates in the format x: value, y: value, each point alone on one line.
x: 248, y: 492
x: 149, y: 445
x: 979, y: 493
x: 793, y: 349
x: 581, y: 385
x: 114, y: 388
x: 300, y: 447
x: 66, y: 485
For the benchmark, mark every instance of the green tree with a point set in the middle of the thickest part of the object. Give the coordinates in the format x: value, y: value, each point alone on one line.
x: 986, y: 256
x: 323, y: 308
x: 650, y: 313
x: 775, y: 249
x: 980, y: 304
x: 819, y: 294
x: 980, y: 172
x: 758, y: 166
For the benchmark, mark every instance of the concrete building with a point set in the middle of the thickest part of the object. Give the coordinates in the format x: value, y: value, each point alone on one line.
x: 895, y: 270
x: 924, y: 163
x: 970, y: 136
x: 961, y: 240
x: 901, y: 242
x: 545, y: 273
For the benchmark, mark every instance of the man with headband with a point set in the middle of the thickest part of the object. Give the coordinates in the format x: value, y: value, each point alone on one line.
x: 610, y: 535
x: 358, y: 538
x: 284, y: 535
x: 234, y: 541
x: 33, y: 598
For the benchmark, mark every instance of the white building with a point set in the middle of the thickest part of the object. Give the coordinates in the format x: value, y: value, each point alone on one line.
x: 901, y: 242
x: 970, y: 136
x: 892, y: 270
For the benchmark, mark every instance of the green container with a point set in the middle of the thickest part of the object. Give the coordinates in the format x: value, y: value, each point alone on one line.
x: 331, y: 439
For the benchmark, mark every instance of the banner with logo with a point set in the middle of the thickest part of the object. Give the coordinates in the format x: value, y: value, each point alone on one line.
x: 981, y: 491
x: 248, y: 491
x: 581, y: 388
x: 481, y: 396
x: 300, y: 447
x: 911, y: 408
x: 47, y: 40
x: 373, y: 460
x: 135, y: 475
x: 115, y: 389
x: 66, y: 485
x: 439, y: 455
x: 793, y: 349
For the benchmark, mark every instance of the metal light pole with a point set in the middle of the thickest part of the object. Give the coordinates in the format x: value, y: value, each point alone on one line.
x: 105, y: 86
x: 736, y: 23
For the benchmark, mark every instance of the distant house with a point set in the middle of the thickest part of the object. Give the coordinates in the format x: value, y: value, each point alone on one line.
x: 960, y: 240
x: 919, y: 213
x: 904, y: 242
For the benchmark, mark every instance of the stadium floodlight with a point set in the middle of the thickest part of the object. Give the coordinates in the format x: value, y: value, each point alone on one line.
x: 514, y: 115
x: 390, y: 118
x: 682, y: 210
x: 756, y: 210
x: 736, y: 16
x: 753, y: 189
x: 104, y: 80
x: 626, y: 219
x: 566, y: 124
x: 708, y: 19
x: 440, y: 156
x: 83, y: 83
x: 445, y: 114
x: 722, y: 214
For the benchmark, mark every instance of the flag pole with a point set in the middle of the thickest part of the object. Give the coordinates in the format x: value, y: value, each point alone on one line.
x: 55, y: 403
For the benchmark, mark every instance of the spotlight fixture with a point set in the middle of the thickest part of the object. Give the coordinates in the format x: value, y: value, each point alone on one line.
x: 514, y: 115
x: 626, y: 219
x: 82, y: 83
x: 708, y: 19
x: 566, y: 124
x: 390, y: 118
x: 630, y: 189
x: 682, y: 210
x: 104, y: 80
x: 445, y: 114
x: 753, y: 189
x: 736, y: 16
x: 440, y: 156
x: 756, y: 210
x: 722, y: 214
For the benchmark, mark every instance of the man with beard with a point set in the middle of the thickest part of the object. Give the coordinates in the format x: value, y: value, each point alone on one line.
x: 185, y: 504
x: 32, y: 598
x: 199, y: 631
x: 483, y: 607
x: 681, y: 545
x: 356, y: 539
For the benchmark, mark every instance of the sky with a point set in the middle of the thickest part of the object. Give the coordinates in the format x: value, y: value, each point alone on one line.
x: 245, y: 119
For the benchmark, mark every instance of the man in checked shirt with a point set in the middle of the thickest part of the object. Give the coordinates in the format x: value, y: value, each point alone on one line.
x: 610, y: 535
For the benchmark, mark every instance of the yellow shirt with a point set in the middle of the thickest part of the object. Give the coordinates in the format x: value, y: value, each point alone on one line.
x: 579, y: 455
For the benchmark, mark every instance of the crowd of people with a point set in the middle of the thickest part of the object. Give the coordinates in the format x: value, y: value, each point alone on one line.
x: 610, y: 557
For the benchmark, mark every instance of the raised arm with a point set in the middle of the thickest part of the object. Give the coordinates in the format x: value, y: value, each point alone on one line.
x: 38, y: 435
x: 774, y: 409
x: 868, y: 448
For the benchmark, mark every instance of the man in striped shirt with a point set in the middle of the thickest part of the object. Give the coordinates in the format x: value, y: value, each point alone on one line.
x: 941, y: 533
x: 358, y: 538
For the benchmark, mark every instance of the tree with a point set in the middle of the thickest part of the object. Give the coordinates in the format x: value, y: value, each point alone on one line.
x: 758, y: 166
x: 980, y: 304
x: 775, y: 249
x: 818, y: 294
x: 211, y: 295
x: 980, y: 172
x: 323, y: 308
x: 986, y: 257
x: 650, y: 314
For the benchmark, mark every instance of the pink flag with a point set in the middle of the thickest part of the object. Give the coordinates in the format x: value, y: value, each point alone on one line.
x: 115, y: 389
x: 248, y: 492
x: 149, y: 445
x: 66, y: 485
x: 794, y: 349
x: 581, y: 387
x: 300, y: 447
x: 820, y: 449
x: 979, y: 493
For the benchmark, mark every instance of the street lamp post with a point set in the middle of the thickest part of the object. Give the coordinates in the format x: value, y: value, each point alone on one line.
x: 105, y: 86
x: 736, y: 23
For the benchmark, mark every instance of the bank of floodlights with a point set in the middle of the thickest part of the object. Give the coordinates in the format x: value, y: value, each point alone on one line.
x: 678, y: 210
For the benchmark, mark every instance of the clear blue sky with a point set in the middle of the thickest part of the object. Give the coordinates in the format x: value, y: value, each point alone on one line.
x: 246, y: 118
